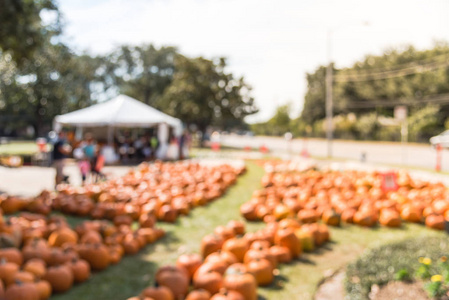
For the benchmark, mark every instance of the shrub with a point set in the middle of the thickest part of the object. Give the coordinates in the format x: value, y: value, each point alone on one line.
x: 381, y: 265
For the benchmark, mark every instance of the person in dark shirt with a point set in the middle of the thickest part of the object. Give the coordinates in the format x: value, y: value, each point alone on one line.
x: 59, y: 154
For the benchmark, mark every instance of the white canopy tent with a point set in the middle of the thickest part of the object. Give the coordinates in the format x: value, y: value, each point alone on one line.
x: 120, y: 112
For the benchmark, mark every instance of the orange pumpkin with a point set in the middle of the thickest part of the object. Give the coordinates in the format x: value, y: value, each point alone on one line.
x: 190, y: 262
x: 62, y: 236
x: 286, y: 237
x: 210, y: 243
x: 210, y: 281
x: 176, y: 279
x: 238, y: 279
x: 60, y: 278
x: 262, y: 270
x: 22, y: 291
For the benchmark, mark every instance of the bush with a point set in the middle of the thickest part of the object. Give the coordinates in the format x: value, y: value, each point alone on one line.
x: 381, y: 265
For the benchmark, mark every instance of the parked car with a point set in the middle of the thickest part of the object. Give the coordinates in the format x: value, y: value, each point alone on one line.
x: 441, y: 139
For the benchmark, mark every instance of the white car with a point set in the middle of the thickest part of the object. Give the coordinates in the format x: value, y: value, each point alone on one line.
x: 441, y: 139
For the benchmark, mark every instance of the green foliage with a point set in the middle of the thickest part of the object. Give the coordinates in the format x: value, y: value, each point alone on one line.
x: 142, y: 72
x: 399, y: 89
x: 202, y: 93
x: 380, y: 265
x: 21, y: 28
x: 278, y: 125
x: 402, y: 275
x: 434, y: 288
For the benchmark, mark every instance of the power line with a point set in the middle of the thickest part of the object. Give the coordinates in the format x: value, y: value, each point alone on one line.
x: 441, y: 62
x: 436, y: 99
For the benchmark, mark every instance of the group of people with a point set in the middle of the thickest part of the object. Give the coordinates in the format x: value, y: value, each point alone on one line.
x: 91, y: 158
x: 87, y: 153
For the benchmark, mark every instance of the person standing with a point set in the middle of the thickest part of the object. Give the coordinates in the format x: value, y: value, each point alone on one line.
x: 60, y: 152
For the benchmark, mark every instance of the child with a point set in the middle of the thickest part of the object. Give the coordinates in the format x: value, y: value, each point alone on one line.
x: 84, y: 166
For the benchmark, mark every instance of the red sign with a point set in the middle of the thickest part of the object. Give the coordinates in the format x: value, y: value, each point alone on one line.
x: 389, y: 182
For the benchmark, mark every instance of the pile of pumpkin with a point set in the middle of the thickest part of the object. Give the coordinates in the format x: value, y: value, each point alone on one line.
x: 232, y: 263
x: 40, y: 255
x: 350, y: 197
x: 168, y: 190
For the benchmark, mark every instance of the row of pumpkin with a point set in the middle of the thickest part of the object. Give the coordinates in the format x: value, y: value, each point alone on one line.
x: 350, y: 197
x: 167, y: 190
x: 232, y: 263
x: 43, y: 255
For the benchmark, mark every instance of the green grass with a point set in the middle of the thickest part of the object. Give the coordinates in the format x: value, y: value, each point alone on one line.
x: 380, y: 265
x: 297, y: 280
x: 19, y: 148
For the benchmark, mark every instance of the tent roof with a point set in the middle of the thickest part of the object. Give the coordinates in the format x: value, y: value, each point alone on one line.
x: 121, y: 111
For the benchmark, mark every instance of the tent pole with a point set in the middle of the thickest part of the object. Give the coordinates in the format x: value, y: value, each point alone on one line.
x: 110, y: 135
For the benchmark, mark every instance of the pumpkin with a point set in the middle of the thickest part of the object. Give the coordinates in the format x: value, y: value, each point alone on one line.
x: 80, y: 269
x: 260, y: 253
x: 347, y: 216
x: 307, y: 216
x: 365, y: 218
x: 199, y: 294
x: 435, y: 221
x: 147, y: 220
x: 210, y: 281
x: 35, y: 266
x: 22, y: 276
x: 216, y: 264
x: 306, y: 238
x: 237, y: 226
x: 167, y: 214
x: 176, y: 279
x: 238, y: 279
x: 228, y: 257
x: 157, y: 293
x: 190, y: 262
x: 238, y: 246
x: 37, y: 248
x: 331, y: 217
x: 224, y: 294
x: 22, y: 291
x: 97, y: 255
x: 286, y: 237
x: 62, y: 236
x: 248, y: 211
x: 282, y: 254
x: 7, y: 271
x: 224, y: 232
x: 411, y: 214
x: 390, y: 218
x: 262, y: 270
x: 210, y: 243
x: 44, y: 289
x: 60, y: 278
x: 12, y: 255
x: 91, y: 237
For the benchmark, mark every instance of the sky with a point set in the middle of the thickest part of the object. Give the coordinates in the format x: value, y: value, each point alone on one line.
x: 273, y: 44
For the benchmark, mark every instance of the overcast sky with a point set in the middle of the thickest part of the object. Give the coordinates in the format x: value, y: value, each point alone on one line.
x: 273, y: 44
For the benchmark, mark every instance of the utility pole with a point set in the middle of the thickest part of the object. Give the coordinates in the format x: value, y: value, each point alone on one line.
x: 329, y: 100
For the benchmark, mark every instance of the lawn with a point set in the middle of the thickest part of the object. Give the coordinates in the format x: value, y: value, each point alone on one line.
x: 296, y: 281
x: 19, y: 148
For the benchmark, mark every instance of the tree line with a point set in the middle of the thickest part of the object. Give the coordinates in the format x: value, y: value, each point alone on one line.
x: 366, y: 94
x: 41, y: 77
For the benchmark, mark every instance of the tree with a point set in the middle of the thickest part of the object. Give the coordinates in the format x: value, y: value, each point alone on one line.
x: 143, y: 72
x: 202, y: 93
x: 375, y: 97
x: 54, y: 81
x: 21, y: 28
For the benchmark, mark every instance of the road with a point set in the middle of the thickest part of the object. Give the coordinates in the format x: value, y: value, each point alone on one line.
x: 411, y: 155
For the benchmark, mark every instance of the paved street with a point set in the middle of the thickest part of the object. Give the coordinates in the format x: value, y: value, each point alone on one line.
x: 413, y: 155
